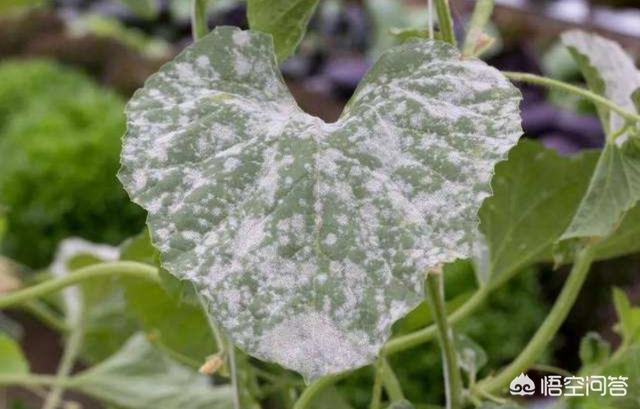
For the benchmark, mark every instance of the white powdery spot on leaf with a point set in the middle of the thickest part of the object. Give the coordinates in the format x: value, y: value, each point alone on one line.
x: 306, y: 239
x: 318, y: 345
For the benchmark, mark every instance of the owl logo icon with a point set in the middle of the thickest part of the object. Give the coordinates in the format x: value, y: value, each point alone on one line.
x: 522, y: 385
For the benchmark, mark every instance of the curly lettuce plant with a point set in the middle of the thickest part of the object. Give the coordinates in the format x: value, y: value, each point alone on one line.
x: 59, y: 138
x: 304, y: 241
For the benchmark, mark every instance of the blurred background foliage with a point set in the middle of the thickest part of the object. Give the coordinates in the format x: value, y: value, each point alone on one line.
x: 68, y: 66
x: 60, y: 143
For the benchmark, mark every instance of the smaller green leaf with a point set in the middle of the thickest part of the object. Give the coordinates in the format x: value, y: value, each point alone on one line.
x: 285, y: 20
x: 140, y: 377
x: 628, y: 316
x: 12, y: 361
x: 594, y: 350
x: 471, y: 356
x: 614, y: 189
x: 624, y: 240
x: 623, y: 363
x: 623, y: 366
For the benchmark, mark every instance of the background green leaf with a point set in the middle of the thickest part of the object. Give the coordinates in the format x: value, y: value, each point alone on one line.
x: 535, y: 194
x: 594, y: 350
x: 615, y: 186
x: 625, y: 362
x: 613, y: 190
x: 471, y: 357
x: 628, y: 317
x: 60, y: 137
x: 107, y: 322
x: 140, y: 377
x: 608, y: 70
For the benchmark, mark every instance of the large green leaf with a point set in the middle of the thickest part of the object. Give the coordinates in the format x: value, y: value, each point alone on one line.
x: 140, y: 377
x: 285, y: 20
x: 307, y: 239
x: 535, y: 194
x: 12, y: 361
x: 615, y: 186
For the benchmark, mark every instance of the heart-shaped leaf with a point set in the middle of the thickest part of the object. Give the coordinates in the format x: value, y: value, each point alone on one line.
x: 308, y: 239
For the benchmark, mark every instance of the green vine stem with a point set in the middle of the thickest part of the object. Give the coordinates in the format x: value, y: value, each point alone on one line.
x: 390, y: 381
x: 199, y: 26
x: 126, y: 268
x: 43, y: 313
x: 427, y: 334
x: 479, y: 19
x: 547, y: 330
x: 376, y: 394
x: 452, y: 377
x: 591, y: 96
x: 445, y: 22
x: 33, y: 380
x: 71, y: 351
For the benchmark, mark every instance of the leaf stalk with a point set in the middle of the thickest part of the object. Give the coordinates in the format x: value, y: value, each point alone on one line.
x: 445, y: 21
x: 199, y: 23
x: 125, y: 268
x: 479, y: 19
x: 572, y: 89
x: 452, y: 377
